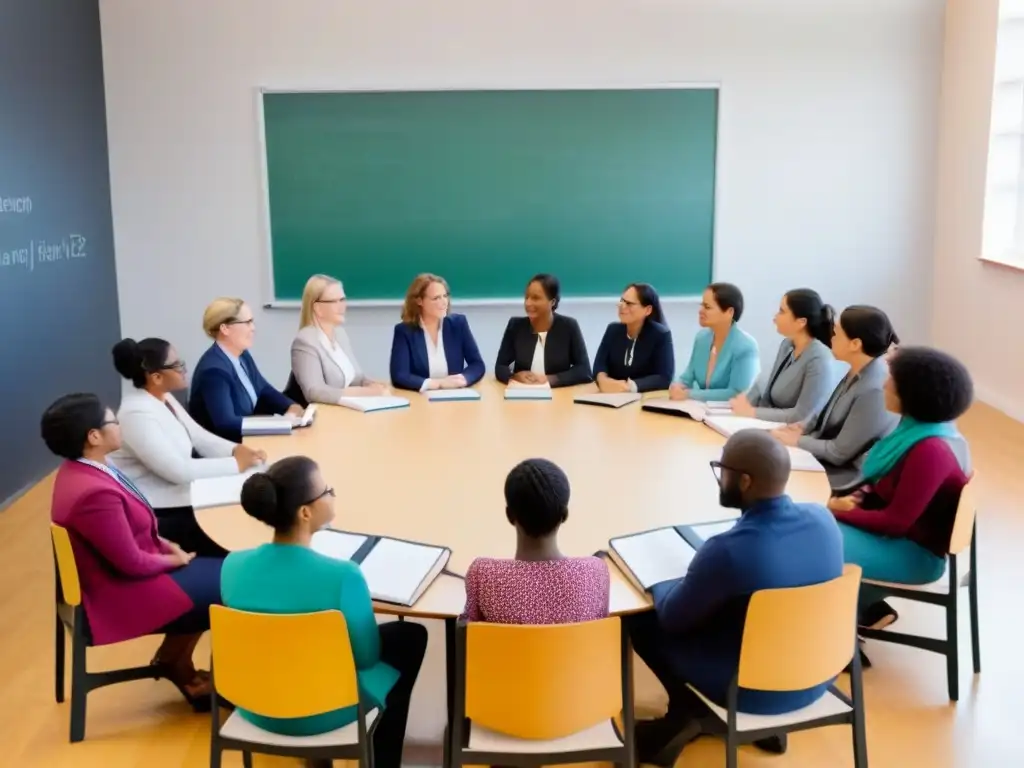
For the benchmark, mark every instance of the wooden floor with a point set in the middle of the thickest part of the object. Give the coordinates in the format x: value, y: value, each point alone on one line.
x: 910, y: 722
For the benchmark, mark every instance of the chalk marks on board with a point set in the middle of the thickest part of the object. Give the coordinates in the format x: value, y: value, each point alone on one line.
x: 38, y: 251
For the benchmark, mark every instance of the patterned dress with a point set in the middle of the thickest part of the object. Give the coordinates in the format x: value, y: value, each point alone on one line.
x: 564, y: 591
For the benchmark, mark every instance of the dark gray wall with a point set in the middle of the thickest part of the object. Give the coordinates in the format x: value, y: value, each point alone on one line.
x: 58, y: 291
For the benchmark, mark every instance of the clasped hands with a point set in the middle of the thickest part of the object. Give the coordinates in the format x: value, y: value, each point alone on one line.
x: 455, y: 381
x: 529, y: 377
x: 608, y: 385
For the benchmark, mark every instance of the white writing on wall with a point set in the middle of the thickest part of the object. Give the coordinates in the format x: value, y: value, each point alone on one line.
x: 36, y: 252
x: 15, y: 205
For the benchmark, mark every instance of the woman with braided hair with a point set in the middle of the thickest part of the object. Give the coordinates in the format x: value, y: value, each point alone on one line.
x: 539, y: 585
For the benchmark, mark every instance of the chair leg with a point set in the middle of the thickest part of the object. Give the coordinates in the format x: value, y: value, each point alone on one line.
x: 79, y: 687
x: 860, y: 741
x: 214, y: 754
x: 972, y: 596
x: 247, y: 759
x: 58, y: 655
x: 952, y: 649
x: 732, y: 749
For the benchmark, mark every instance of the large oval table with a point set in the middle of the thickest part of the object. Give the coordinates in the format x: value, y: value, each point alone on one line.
x: 435, y: 472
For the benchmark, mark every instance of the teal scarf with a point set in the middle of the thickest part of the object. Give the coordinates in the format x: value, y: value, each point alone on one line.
x: 890, y: 449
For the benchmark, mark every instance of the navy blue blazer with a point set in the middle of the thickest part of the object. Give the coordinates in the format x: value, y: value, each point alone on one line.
x: 409, y: 363
x: 653, y: 363
x: 776, y: 543
x: 218, y: 400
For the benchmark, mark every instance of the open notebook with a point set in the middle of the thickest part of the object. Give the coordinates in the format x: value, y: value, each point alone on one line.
x: 662, y: 554
x: 277, y: 425
x: 689, y: 409
x: 397, y: 571
x: 799, y: 459
x: 517, y: 391
x: 452, y: 394
x: 608, y: 399
x: 373, y: 403
x: 220, y: 491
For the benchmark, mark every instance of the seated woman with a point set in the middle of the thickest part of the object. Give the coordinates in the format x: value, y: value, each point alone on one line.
x: 133, y: 582
x: 286, y: 576
x: 540, y: 585
x: 323, y: 364
x: 432, y: 349
x: 635, y: 354
x: 897, y: 527
x: 226, y: 384
x: 159, y: 441
x: 801, y: 379
x: 544, y: 347
x: 855, y: 417
x: 724, y: 361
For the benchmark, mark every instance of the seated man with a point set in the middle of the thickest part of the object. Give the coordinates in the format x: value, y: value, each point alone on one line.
x: 694, y: 633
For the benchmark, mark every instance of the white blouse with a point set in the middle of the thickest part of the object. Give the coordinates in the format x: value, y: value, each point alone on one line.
x: 437, y: 363
x: 348, y: 370
x: 537, y: 366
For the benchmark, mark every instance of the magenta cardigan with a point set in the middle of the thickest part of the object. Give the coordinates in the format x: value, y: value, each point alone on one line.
x: 126, y: 591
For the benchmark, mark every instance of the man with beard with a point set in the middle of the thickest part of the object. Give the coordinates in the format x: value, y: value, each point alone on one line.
x: 695, y: 631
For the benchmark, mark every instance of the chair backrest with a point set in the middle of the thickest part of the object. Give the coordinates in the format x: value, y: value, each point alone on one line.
x: 800, y: 637
x: 543, y: 682
x: 67, y: 569
x: 963, y: 523
x: 283, y: 665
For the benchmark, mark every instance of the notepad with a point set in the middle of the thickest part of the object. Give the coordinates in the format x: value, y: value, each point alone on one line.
x: 691, y: 409
x: 651, y: 557
x: 373, y: 403
x: 219, y: 491
x: 452, y: 394
x: 396, y: 571
x: 701, y: 532
x: 608, y: 399
x: 277, y: 425
x: 800, y: 460
x: 517, y: 391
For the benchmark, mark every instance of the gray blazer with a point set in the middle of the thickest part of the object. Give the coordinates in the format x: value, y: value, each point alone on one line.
x: 853, y: 420
x: 796, y: 389
x: 316, y: 372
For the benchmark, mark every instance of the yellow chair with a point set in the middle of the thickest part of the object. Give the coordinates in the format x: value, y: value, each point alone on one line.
x: 794, y: 639
x: 541, y: 695
x: 944, y: 592
x: 71, y: 615
x: 286, y: 665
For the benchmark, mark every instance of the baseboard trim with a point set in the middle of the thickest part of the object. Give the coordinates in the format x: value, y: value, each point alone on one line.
x: 1012, y: 407
x: 422, y: 753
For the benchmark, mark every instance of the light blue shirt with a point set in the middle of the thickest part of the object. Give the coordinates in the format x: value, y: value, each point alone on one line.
x: 736, y: 368
x: 236, y: 363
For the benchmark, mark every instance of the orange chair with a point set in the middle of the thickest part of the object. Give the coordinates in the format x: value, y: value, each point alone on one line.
x: 542, y: 695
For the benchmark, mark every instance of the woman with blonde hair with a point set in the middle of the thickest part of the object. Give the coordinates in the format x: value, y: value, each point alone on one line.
x: 324, y: 367
x: 433, y: 349
x: 226, y: 384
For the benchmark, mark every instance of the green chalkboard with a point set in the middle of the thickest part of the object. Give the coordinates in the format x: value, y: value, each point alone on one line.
x: 600, y: 187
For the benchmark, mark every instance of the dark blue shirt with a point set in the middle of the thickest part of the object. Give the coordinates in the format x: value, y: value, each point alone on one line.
x: 775, y: 544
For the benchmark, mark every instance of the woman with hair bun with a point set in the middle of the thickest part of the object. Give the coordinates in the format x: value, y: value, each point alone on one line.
x: 855, y: 416
x: 287, y: 576
x: 801, y: 379
x: 897, y: 527
x: 163, y: 449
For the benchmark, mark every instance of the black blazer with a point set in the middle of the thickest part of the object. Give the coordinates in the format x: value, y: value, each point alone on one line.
x: 566, y: 361
x: 653, y: 363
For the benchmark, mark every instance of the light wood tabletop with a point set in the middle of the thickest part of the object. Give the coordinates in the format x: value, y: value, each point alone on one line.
x: 435, y: 472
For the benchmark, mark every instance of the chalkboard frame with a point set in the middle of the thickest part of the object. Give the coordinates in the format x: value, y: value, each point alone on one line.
x: 267, y: 245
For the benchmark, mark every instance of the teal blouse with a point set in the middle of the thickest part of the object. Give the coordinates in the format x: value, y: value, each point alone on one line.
x: 283, y: 578
x: 736, y: 369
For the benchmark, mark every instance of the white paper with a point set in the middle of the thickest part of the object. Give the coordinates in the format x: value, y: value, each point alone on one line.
x: 337, y: 544
x: 373, y: 403
x: 730, y: 425
x: 307, y: 416
x: 528, y: 393
x: 803, y: 461
x: 614, y: 399
x: 267, y: 425
x: 220, y: 491
x: 655, y: 556
x: 453, y: 394
x: 707, y: 530
x: 395, y: 569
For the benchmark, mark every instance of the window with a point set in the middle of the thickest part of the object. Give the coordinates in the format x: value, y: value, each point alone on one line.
x: 1003, y: 237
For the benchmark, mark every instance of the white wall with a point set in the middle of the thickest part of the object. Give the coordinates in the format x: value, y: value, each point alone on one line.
x: 978, y: 310
x: 827, y: 137
x: 827, y: 144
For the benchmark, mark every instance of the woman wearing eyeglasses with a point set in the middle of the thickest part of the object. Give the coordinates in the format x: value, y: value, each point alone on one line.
x: 226, y: 384
x: 287, y: 576
x: 431, y: 348
x: 636, y: 353
x: 163, y: 449
x: 324, y: 368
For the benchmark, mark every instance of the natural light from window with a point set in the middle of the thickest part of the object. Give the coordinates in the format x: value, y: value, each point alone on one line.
x: 1003, y: 237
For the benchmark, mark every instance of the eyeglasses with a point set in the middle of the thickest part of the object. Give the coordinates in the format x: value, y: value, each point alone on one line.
x: 342, y: 300
x: 108, y: 422
x: 236, y: 321
x: 328, y: 491
x: 628, y: 303
x: 178, y: 365
x: 718, y: 467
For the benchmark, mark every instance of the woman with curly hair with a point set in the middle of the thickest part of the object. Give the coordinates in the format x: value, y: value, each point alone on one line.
x: 898, y: 526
